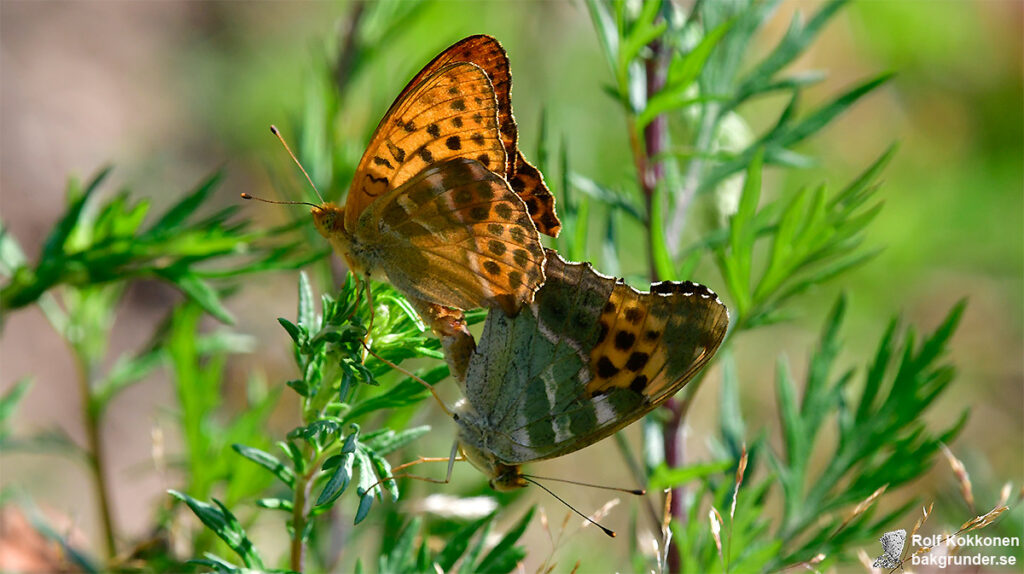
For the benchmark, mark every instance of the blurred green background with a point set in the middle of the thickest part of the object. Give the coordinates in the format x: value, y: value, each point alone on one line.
x: 171, y: 91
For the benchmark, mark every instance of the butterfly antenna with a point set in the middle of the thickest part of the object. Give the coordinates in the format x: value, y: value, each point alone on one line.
x: 636, y: 491
x: 428, y: 386
x: 273, y: 130
x: 254, y: 198
x: 608, y: 531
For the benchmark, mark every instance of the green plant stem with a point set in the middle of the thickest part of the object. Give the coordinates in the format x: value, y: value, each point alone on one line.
x: 92, y: 415
x: 691, y: 179
x: 639, y: 475
x: 300, y: 516
x: 24, y: 289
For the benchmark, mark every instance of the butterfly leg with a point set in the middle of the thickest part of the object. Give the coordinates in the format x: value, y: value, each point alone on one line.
x: 428, y: 386
x: 452, y: 458
x: 365, y: 286
x: 450, y: 327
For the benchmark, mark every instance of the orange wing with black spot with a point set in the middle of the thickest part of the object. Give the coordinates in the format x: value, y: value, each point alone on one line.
x: 654, y: 343
x: 450, y: 114
x: 487, y: 53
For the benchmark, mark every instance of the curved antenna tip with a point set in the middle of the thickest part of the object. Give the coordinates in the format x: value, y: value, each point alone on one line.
x: 273, y: 130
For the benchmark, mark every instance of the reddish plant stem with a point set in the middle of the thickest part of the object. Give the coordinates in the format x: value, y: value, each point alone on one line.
x: 652, y: 173
x: 651, y: 170
x: 672, y: 437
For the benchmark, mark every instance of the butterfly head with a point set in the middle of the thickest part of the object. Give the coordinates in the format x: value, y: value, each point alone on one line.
x: 503, y: 477
x: 329, y: 220
x: 473, y: 440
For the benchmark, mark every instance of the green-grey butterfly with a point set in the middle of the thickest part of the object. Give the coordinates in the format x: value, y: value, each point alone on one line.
x: 588, y: 357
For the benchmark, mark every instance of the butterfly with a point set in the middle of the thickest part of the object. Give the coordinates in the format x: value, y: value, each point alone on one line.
x: 443, y: 205
x: 892, y: 549
x: 588, y: 357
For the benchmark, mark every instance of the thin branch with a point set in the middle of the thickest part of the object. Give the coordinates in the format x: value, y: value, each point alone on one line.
x: 655, y: 139
x: 347, y: 46
x: 691, y: 179
x: 300, y: 516
x: 95, y: 454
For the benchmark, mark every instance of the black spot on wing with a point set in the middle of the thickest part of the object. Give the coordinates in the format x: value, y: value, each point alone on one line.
x: 637, y: 361
x: 606, y: 369
x: 624, y: 340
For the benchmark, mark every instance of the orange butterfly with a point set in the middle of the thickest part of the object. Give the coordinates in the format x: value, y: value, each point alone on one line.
x: 442, y: 204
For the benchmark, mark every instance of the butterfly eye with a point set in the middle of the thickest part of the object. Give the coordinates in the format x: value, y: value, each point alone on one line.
x: 325, y: 219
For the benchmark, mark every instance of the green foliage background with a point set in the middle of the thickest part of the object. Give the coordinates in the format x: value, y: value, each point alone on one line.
x: 172, y: 92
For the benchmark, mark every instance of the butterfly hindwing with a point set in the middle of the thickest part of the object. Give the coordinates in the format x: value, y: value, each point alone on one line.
x: 452, y: 113
x: 529, y: 184
x: 540, y: 383
x: 526, y: 180
x: 459, y: 217
x: 654, y: 342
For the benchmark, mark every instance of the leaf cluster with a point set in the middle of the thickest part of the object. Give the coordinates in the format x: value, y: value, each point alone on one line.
x: 94, y: 252
x: 878, y: 442
x: 707, y: 80
x: 463, y: 552
x: 729, y: 82
x: 881, y: 439
x: 98, y: 247
x: 339, y: 388
x: 809, y: 237
x: 95, y: 244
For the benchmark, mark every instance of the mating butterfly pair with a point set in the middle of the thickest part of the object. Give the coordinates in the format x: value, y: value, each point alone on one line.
x: 444, y: 206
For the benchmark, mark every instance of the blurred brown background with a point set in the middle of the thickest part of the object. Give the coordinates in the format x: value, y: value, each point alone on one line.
x: 170, y: 91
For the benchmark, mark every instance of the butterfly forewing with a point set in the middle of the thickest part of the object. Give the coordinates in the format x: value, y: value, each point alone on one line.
x: 561, y: 381
x: 452, y: 113
x: 462, y: 219
x: 487, y: 53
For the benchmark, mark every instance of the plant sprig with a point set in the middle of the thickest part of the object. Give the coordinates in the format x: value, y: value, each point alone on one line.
x: 339, y: 389
x: 106, y: 243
